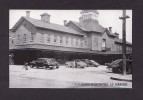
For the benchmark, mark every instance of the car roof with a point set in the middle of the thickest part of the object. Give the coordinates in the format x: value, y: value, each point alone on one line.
x: 44, y: 58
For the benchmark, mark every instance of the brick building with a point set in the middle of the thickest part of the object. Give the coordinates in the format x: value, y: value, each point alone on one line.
x: 32, y: 38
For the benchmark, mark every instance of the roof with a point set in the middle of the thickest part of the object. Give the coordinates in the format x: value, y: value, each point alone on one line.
x: 45, y: 25
x: 45, y: 14
x: 86, y: 11
x: 121, y: 41
x: 110, y: 34
x: 93, y: 27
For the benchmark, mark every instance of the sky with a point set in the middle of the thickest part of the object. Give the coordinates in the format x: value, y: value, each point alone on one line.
x: 107, y: 18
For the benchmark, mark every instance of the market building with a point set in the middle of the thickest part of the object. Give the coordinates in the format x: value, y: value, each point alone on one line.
x: 31, y: 38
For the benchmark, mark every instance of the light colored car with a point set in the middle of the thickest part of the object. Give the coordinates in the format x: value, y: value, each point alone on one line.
x: 77, y: 63
x: 70, y: 64
x: 94, y: 63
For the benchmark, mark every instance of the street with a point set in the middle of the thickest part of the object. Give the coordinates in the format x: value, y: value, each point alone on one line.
x: 90, y: 77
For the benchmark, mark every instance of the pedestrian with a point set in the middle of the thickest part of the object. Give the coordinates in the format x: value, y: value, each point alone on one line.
x: 25, y: 66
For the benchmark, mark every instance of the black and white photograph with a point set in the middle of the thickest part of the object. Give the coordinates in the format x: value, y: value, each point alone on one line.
x: 90, y: 48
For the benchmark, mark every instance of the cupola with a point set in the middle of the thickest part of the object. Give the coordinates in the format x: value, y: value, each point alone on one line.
x: 45, y: 17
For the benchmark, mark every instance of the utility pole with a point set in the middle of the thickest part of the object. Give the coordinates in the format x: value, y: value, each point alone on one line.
x: 124, y: 17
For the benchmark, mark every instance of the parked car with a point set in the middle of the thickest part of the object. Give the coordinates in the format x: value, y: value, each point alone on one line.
x: 88, y: 62
x: 94, y: 63
x: 43, y: 62
x: 70, y: 64
x: 117, y: 66
x: 55, y: 62
x: 110, y: 65
x: 77, y: 63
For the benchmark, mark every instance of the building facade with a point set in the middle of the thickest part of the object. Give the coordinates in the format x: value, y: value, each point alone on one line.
x: 87, y: 39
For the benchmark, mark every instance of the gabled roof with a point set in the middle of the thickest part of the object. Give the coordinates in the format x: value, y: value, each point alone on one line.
x: 93, y: 27
x: 46, y: 25
x: 121, y: 41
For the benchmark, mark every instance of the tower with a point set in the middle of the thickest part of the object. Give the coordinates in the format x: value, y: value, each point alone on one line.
x: 89, y: 16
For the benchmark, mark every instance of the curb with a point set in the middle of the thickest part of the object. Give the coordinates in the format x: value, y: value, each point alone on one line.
x: 119, y: 79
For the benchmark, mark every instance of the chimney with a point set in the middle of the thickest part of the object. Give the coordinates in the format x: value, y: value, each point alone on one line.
x: 110, y: 29
x: 28, y: 14
x: 45, y: 17
x: 65, y: 22
x: 117, y: 35
x: 80, y: 20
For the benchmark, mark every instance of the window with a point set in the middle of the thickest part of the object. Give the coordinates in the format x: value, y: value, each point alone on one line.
x: 71, y: 41
x: 18, y: 39
x: 95, y: 41
x: 77, y: 42
x: 66, y: 40
x: 104, y: 44
x: 12, y: 42
x: 42, y: 38
x: 24, y: 38
x: 81, y: 43
x: 32, y: 37
x: 48, y: 38
x: 112, y: 44
x: 61, y: 41
x: 85, y: 41
x: 25, y: 24
x: 55, y: 38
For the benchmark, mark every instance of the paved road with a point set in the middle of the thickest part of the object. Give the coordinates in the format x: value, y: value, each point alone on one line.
x: 90, y: 77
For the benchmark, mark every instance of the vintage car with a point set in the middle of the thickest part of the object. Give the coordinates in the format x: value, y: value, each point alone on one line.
x: 110, y: 65
x: 55, y: 62
x: 87, y: 61
x: 94, y: 63
x: 43, y: 62
x: 117, y: 66
x: 77, y: 63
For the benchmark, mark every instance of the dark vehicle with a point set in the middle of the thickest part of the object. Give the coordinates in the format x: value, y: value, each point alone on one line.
x: 117, y: 66
x: 43, y: 62
x: 94, y: 63
x: 77, y: 63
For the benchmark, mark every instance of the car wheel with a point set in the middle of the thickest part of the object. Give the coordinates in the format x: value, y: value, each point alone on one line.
x: 51, y: 67
x: 31, y: 66
x: 67, y: 65
x: 44, y: 67
x: 78, y: 66
x: 37, y: 67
